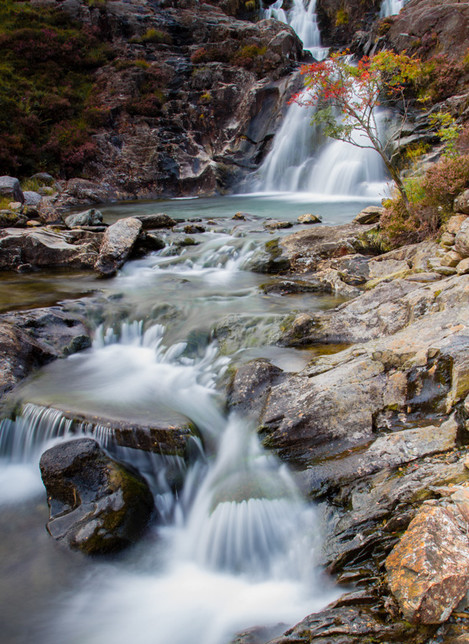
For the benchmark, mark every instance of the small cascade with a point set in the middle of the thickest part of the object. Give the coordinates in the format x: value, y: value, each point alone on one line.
x: 302, y: 18
x: 391, y: 7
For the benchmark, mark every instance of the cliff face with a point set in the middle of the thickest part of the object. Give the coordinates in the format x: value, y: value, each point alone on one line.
x: 339, y: 20
x: 184, y: 96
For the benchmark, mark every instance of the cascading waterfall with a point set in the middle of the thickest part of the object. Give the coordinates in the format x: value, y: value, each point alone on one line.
x: 301, y: 160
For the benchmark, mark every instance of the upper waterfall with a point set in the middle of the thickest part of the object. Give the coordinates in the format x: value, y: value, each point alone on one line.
x: 391, y: 7
x: 301, y: 159
x: 302, y: 18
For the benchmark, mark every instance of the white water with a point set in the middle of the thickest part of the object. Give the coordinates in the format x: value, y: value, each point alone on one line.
x: 391, y: 7
x: 239, y: 549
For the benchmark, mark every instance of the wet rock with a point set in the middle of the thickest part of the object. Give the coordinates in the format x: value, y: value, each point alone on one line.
x: 369, y: 215
x: 277, y: 225
x: 10, y: 187
x: 270, y: 259
x: 97, y: 504
x: 147, y: 243
x: 428, y: 570
x: 193, y: 229
x: 157, y: 220
x: 90, y: 217
x: 309, y: 219
x: 45, y: 248
x: 117, y: 244
x: 356, y: 618
x: 250, y: 386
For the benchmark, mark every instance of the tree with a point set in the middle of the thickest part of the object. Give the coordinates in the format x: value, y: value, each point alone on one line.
x: 337, y: 88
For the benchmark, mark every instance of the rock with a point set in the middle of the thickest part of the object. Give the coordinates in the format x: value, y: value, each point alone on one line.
x: 10, y: 187
x: 461, y: 243
x: 447, y: 239
x: 9, y: 218
x: 369, y: 215
x: 193, y: 229
x: 79, y: 191
x: 250, y: 387
x: 463, y: 267
x: 306, y: 249
x: 461, y: 203
x: 309, y: 219
x: 451, y: 259
x: 270, y: 259
x: 146, y: 243
x: 428, y: 570
x: 240, y: 216
x: 277, y: 225
x: 32, y: 201
x: 117, y: 244
x: 30, y: 339
x: 43, y: 178
x: 46, y: 248
x: 97, y: 504
x: 454, y: 223
x: 157, y: 220
x: 90, y: 217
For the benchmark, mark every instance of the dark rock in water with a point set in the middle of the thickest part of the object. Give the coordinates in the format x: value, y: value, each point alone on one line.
x: 276, y: 225
x: 117, y: 244
x: 157, y: 220
x: 90, y: 217
x: 192, y: 229
x: 97, y: 504
x: 146, y: 243
x: 309, y: 219
x: 270, y: 259
x: 251, y: 385
x: 10, y: 187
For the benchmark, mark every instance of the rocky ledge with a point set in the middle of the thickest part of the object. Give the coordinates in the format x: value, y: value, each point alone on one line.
x: 376, y: 430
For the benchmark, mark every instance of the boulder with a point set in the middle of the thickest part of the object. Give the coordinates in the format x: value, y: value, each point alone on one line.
x: 10, y: 218
x: 46, y: 248
x: 428, y: 570
x: 156, y: 220
x: 454, y: 223
x: 309, y: 219
x: 32, y: 201
x: 10, y: 187
x: 461, y: 203
x: 369, y: 215
x: 461, y: 242
x: 97, y: 504
x: 250, y: 386
x: 90, y: 217
x: 269, y: 259
x: 118, y: 242
x: 277, y: 225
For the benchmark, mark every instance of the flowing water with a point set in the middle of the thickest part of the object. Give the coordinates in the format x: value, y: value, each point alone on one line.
x: 391, y: 7
x: 233, y: 544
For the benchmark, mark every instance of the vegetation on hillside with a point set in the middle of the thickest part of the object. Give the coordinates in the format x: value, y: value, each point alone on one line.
x: 48, y: 111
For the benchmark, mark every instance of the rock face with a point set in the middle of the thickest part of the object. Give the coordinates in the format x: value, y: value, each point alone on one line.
x: 428, y: 570
x: 339, y: 20
x: 117, y: 244
x: 97, y: 505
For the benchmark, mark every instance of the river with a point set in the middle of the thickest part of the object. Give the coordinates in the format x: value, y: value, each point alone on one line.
x: 234, y: 544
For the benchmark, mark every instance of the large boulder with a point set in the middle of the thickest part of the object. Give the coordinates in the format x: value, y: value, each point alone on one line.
x: 46, y: 248
x: 156, y: 220
x: 118, y: 242
x: 10, y: 187
x: 97, y: 504
x: 461, y: 203
x: 461, y: 242
x: 91, y: 217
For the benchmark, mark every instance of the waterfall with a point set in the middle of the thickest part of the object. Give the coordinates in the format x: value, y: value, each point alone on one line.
x: 302, y: 18
x: 391, y: 7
